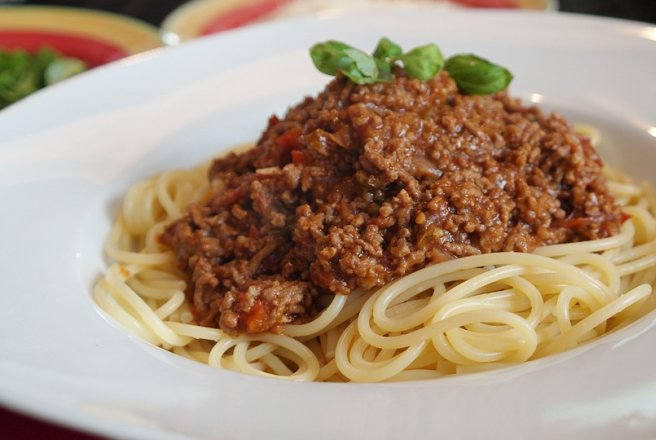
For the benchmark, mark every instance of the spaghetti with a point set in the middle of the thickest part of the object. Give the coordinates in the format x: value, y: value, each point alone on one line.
x: 466, y: 315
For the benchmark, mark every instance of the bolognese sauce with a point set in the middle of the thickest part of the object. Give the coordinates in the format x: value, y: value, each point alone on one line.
x: 366, y: 183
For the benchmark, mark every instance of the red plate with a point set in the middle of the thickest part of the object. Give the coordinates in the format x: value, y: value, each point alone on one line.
x: 203, y: 17
x: 95, y: 37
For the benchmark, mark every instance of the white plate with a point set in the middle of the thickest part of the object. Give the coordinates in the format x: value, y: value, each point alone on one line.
x: 67, y: 154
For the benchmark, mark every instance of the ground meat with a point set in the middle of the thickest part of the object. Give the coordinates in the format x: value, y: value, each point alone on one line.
x: 364, y: 184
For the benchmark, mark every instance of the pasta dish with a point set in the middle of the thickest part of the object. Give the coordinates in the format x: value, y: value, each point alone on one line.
x: 387, y: 230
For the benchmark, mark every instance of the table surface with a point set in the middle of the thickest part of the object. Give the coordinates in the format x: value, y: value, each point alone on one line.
x: 17, y: 426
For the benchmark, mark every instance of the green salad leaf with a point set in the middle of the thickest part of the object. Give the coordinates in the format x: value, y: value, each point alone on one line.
x: 62, y: 68
x: 23, y: 73
x: 18, y: 78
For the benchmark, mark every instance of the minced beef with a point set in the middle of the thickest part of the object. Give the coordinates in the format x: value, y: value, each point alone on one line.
x: 364, y: 184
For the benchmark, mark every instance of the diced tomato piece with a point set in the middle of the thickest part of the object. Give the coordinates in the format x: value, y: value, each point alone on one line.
x: 300, y: 157
x: 255, y: 319
x: 624, y: 217
x: 289, y: 139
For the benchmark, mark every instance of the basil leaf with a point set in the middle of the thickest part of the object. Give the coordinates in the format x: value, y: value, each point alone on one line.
x: 423, y: 62
x: 387, y: 51
x: 363, y: 67
x: 472, y: 74
x: 477, y: 76
x: 329, y: 57
x: 384, y: 71
x: 333, y: 57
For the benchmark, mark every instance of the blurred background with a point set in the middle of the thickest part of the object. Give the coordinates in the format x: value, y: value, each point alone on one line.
x: 155, y: 11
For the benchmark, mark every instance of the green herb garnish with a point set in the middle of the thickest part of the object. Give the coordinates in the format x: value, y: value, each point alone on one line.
x: 385, y: 55
x: 423, y: 62
x: 22, y: 73
x: 333, y: 57
x: 477, y: 76
x: 472, y: 74
x: 387, y: 51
